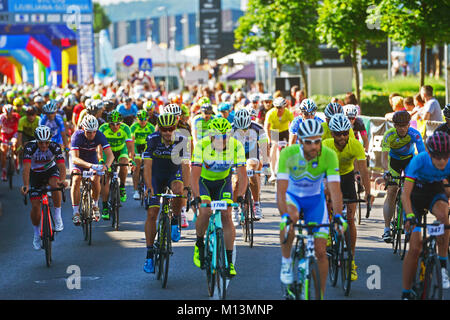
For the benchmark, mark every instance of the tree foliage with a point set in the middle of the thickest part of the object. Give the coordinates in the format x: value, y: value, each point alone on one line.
x: 101, y: 19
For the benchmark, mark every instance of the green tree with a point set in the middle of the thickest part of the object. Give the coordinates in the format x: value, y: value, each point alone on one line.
x: 298, y: 40
x: 101, y: 20
x: 412, y: 22
x: 342, y: 24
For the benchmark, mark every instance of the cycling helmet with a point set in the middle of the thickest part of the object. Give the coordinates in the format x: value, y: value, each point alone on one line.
x: 92, y: 107
x: 266, y: 97
x: 43, y: 133
x: 8, y: 108
x: 401, y: 117
x: 50, y: 107
x: 219, y: 126
x: 350, y: 110
x: 339, y: 122
x: 38, y: 99
x: 109, y: 105
x: 30, y: 110
x: 447, y: 111
x: 89, y: 123
x: 172, y: 108
x: 167, y: 120
x: 18, y: 101
x: 70, y: 100
x: 308, y: 106
x: 114, y: 116
x: 185, y: 109
x: 203, y: 100
x: 242, y: 119
x: 206, y: 107
x: 332, y: 108
x: 309, y: 128
x: 142, y: 115
x: 224, y: 106
x: 279, y: 102
x: 254, y: 97
x: 439, y: 144
x: 149, y: 105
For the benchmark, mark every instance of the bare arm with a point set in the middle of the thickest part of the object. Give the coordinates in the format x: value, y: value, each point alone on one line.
x: 362, y: 166
x: 336, y: 196
x: 282, y: 186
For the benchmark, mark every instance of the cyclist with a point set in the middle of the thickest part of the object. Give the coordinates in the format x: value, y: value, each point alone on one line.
x: 9, y: 121
x: 128, y: 110
x: 166, y: 163
x: 84, y: 143
x: 308, y: 110
x: 150, y: 106
x: 445, y: 127
x: 118, y: 135
x: 302, y: 169
x: 95, y: 108
x: 424, y: 191
x: 348, y: 150
x: 266, y: 105
x: 200, y: 123
x: 254, y: 139
x: 56, y: 124
x: 351, y: 111
x: 26, y: 127
x: 397, y: 151
x: 212, y: 160
x: 43, y: 163
x: 18, y: 106
x: 277, y: 127
x: 331, y: 109
x: 139, y: 132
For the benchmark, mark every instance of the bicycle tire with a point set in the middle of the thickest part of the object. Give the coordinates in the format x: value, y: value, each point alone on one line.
x: 251, y: 220
x: 82, y: 212
x: 405, y: 242
x: 165, y: 252
x: 222, y: 266
x: 332, y: 253
x: 399, y: 224
x: 312, y: 282
x: 358, y: 196
x: 433, y: 279
x: 115, y: 203
x: 10, y: 171
x: 209, y: 261
x: 297, y: 253
x: 157, y: 251
x: 89, y: 217
x: 46, y: 235
x: 417, y: 286
x: 346, y: 258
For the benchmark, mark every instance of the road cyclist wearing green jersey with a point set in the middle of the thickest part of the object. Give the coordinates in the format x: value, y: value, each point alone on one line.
x: 300, y: 187
x: 212, y: 160
x: 118, y: 135
x: 398, y: 148
x: 139, y: 132
x: 348, y: 151
x: 200, y: 123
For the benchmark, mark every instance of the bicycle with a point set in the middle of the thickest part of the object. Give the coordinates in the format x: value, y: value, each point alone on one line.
x: 86, y: 203
x: 397, y: 228
x: 428, y: 281
x: 47, y: 233
x: 307, y: 282
x: 339, y: 253
x: 163, y: 243
x: 141, y: 184
x: 10, y: 164
x: 216, y: 263
x: 114, y: 194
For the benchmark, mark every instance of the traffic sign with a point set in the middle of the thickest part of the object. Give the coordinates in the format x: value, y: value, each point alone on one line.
x: 128, y: 61
x: 145, y: 64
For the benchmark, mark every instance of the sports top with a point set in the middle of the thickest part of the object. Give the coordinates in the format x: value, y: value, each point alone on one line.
x: 353, y: 150
x: 117, y: 139
x: 402, y: 148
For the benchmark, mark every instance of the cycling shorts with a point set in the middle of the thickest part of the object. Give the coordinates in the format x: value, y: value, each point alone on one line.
x: 314, y: 210
x: 119, y: 154
x: 397, y: 166
x: 279, y: 135
x: 41, y: 179
x: 216, y: 190
x: 5, y: 138
x: 160, y: 183
x: 138, y: 150
x: 348, y: 186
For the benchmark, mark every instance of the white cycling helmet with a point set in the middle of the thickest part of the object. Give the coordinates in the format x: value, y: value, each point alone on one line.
x: 309, y: 128
x: 350, y: 110
x: 43, y: 133
x: 173, y: 108
x: 308, y: 106
x: 89, y: 123
x: 339, y: 122
x: 8, y: 108
x: 242, y: 119
x: 333, y: 108
x: 279, y: 102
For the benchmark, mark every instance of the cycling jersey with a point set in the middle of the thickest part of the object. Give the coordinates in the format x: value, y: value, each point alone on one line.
x: 22, y: 112
x: 117, y: 139
x: 402, y: 148
x: 306, y: 177
x: 88, y: 148
x: 27, y: 128
x: 358, y: 126
x: 42, y: 160
x: 353, y: 150
x: 216, y: 164
x: 251, y: 139
x: 140, y: 133
x: 421, y: 169
x: 201, y: 126
x: 8, y: 126
x: 327, y: 132
x: 132, y: 112
x: 56, y: 126
x: 295, y: 124
x: 77, y: 110
x: 279, y: 123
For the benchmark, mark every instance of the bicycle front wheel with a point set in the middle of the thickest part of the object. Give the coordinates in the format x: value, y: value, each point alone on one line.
x: 209, y: 262
x: 333, y: 259
x: 10, y: 171
x: 47, y: 235
x: 115, y: 203
x: 345, y: 263
x: 222, y: 266
x: 311, y: 286
x: 433, y: 279
x: 165, y: 250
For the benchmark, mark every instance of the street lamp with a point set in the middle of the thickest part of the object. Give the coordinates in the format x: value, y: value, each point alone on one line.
x: 162, y: 8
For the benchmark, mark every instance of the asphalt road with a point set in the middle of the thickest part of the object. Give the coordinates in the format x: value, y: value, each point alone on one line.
x: 112, y: 268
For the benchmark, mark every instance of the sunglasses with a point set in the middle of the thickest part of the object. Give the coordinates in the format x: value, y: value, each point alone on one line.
x: 167, y: 129
x: 115, y: 123
x: 310, y: 141
x: 338, y: 134
x: 309, y: 113
x: 351, y: 118
x: 220, y: 136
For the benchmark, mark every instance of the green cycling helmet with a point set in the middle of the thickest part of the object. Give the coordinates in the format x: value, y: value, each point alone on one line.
x: 167, y: 120
x: 219, y: 126
x: 114, y: 116
x: 203, y: 100
x: 142, y: 115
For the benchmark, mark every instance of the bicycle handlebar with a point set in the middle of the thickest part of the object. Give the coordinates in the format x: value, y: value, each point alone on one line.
x: 43, y: 190
x: 348, y: 201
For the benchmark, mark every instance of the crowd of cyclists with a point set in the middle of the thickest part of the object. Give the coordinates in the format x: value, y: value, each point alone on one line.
x: 203, y: 142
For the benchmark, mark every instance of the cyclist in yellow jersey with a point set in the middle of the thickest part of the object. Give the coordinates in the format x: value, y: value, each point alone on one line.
x: 212, y: 160
x: 348, y: 150
x: 331, y: 109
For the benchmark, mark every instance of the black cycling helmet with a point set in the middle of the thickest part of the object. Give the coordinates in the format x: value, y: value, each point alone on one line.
x: 401, y: 117
x: 447, y: 111
x: 439, y: 144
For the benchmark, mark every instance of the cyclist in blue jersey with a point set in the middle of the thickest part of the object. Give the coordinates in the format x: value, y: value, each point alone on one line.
x: 56, y: 124
x: 128, y: 110
x: 424, y: 191
x: 166, y: 163
x: 308, y: 109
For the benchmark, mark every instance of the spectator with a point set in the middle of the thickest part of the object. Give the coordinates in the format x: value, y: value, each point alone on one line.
x: 418, y: 105
x: 397, y: 105
x: 431, y: 110
x: 408, y: 102
x: 350, y: 98
x: 337, y: 100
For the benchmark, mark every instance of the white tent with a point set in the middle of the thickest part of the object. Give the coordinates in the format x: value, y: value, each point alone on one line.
x: 156, y: 53
x: 192, y: 54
